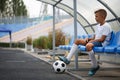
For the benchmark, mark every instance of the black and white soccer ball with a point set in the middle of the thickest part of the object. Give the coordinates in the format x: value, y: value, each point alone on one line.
x: 59, y: 66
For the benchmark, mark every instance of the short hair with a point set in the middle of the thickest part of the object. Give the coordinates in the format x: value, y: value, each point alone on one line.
x: 102, y: 11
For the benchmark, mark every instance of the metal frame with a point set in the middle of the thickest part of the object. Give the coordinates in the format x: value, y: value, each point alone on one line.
x: 10, y: 35
x: 54, y: 28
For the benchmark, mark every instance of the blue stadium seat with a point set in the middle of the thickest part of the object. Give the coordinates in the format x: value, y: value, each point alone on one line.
x: 98, y: 49
x: 118, y: 50
x: 114, y: 44
x: 82, y: 48
x: 84, y: 36
x: 68, y: 47
x: 113, y: 47
x: 101, y: 49
x: 65, y: 47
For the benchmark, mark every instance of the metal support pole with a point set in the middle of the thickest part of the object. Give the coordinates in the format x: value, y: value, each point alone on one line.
x: 10, y: 43
x: 75, y: 30
x: 10, y: 39
x: 53, y: 32
x: 54, y: 29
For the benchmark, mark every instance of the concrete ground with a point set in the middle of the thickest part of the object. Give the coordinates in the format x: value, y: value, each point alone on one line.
x: 106, y: 72
x: 19, y: 64
x: 16, y: 64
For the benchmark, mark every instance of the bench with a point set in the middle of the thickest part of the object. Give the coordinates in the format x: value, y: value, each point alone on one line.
x: 68, y: 47
x: 112, y: 48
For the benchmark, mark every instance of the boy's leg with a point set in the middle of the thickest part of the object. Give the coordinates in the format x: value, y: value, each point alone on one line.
x: 69, y: 56
x: 94, y: 63
x: 93, y: 59
x: 72, y: 51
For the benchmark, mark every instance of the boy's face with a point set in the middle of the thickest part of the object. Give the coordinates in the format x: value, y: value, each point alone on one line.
x: 98, y: 17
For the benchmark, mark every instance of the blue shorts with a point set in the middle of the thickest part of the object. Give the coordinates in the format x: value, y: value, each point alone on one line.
x: 97, y: 44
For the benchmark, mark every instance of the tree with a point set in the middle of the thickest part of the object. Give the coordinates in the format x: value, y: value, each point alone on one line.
x: 19, y: 9
x: 3, y: 5
x: 10, y: 8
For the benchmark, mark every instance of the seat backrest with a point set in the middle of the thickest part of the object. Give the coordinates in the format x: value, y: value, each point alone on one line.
x: 87, y: 36
x: 115, y: 39
x: 91, y: 35
x: 118, y: 38
x: 84, y: 36
x: 112, y: 38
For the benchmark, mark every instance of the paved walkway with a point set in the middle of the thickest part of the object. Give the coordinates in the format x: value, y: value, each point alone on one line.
x: 106, y: 72
x: 16, y: 64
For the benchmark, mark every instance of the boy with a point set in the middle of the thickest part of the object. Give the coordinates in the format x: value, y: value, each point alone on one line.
x: 101, y: 38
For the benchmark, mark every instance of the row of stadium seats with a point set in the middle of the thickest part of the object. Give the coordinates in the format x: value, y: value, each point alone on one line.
x: 112, y: 48
x: 68, y: 47
x: 21, y: 23
x: 13, y: 27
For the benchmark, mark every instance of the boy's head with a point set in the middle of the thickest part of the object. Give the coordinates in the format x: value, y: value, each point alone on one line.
x: 100, y: 15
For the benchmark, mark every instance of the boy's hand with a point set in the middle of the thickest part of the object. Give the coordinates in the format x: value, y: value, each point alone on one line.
x: 86, y: 40
x: 92, y: 41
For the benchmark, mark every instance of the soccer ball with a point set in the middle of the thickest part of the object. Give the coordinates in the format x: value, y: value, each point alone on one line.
x: 59, y: 66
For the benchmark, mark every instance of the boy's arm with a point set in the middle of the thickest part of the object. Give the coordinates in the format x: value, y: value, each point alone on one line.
x: 99, y: 40
x: 89, y: 39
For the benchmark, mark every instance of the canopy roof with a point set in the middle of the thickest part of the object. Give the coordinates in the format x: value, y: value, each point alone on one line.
x: 85, y: 11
